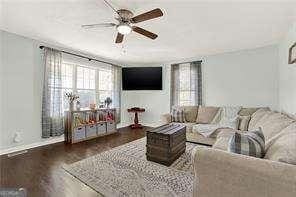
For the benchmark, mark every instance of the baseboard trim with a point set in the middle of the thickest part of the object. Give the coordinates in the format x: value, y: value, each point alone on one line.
x: 52, y: 140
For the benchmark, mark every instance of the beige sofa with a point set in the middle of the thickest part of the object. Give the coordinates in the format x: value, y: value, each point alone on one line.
x: 219, y: 173
x: 191, y: 116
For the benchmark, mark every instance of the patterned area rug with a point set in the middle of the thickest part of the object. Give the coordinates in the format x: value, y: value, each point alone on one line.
x: 124, y: 171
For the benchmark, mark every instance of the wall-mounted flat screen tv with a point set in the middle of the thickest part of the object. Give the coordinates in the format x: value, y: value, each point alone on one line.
x: 142, y: 78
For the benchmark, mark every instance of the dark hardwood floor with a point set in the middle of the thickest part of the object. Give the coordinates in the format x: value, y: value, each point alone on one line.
x: 40, y: 170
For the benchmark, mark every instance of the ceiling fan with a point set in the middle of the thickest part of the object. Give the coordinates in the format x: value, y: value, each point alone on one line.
x: 126, y: 19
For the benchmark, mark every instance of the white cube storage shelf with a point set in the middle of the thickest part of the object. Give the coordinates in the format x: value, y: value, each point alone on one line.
x: 87, y: 124
x: 90, y: 130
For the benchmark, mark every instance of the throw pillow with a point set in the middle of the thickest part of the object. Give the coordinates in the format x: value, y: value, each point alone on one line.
x: 190, y: 112
x: 247, y: 111
x: 283, y: 149
x: 205, y: 115
x: 178, y: 115
x: 223, y: 137
x: 249, y: 143
x: 243, y: 122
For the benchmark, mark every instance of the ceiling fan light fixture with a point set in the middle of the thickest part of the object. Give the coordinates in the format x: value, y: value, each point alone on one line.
x: 124, y: 29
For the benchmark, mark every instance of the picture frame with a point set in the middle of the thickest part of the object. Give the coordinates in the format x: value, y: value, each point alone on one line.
x: 292, y: 54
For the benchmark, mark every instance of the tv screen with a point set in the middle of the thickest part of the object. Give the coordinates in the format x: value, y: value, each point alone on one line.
x: 142, y: 78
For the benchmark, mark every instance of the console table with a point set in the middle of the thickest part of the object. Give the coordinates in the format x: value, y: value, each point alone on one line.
x: 136, y: 110
x: 87, y: 124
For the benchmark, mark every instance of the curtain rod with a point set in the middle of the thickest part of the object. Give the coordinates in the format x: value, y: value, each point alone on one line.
x: 200, y: 61
x: 81, y: 56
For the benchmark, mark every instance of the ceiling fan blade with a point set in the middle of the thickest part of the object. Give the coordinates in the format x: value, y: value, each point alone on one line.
x: 111, y: 6
x: 98, y: 25
x: 144, y: 32
x: 119, y: 38
x: 147, y: 16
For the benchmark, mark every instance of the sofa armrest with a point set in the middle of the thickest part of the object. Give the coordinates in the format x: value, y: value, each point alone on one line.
x: 166, y: 118
x: 223, y: 174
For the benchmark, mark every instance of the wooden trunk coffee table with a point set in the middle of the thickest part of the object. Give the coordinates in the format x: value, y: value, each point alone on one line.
x: 166, y: 143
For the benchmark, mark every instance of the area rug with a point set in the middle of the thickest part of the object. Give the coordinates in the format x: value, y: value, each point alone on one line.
x: 124, y: 171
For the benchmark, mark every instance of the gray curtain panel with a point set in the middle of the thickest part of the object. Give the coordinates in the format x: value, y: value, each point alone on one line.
x: 116, y: 75
x: 175, y: 84
x: 52, y: 114
x: 195, y: 83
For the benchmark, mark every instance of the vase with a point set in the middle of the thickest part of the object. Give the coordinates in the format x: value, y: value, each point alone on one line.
x: 71, y: 106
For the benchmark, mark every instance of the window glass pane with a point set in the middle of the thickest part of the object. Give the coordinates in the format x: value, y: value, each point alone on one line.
x: 86, y: 97
x: 184, y: 95
x: 105, y: 80
x: 192, y: 97
x: 184, y: 103
x: 85, y: 78
x: 80, y: 73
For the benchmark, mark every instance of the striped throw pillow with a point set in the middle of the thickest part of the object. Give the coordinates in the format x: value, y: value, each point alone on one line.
x: 251, y: 143
x: 178, y: 115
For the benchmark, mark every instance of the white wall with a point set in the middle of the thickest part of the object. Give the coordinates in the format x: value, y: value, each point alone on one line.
x: 247, y: 78
x: 156, y: 102
x: 287, y: 74
x: 21, y: 89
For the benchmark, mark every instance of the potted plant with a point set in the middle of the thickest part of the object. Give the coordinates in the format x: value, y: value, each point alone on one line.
x: 108, y: 102
x: 71, y: 99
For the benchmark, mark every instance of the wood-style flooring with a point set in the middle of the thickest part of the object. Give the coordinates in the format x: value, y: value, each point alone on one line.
x: 40, y: 169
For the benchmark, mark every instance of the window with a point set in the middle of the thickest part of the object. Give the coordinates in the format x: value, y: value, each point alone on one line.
x: 186, y: 84
x: 93, y: 85
x: 187, y: 91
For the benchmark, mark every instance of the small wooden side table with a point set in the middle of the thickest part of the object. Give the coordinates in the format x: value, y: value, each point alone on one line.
x: 136, y: 110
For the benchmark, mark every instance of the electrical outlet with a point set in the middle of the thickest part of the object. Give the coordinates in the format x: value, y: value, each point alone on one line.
x: 17, y: 137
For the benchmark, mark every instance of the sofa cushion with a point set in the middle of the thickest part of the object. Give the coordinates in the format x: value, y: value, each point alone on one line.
x: 283, y: 149
x: 289, y: 129
x: 205, y: 114
x: 256, y: 117
x: 188, y: 126
x: 272, y: 123
x: 223, y: 137
x: 197, y: 138
x: 243, y: 122
x: 251, y: 143
x: 247, y: 111
x: 206, y: 130
x: 190, y: 112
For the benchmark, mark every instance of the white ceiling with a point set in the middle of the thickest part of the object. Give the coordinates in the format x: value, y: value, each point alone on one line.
x: 189, y: 28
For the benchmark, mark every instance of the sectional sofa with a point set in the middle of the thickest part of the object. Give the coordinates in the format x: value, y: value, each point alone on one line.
x: 219, y: 173
x: 196, y: 115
